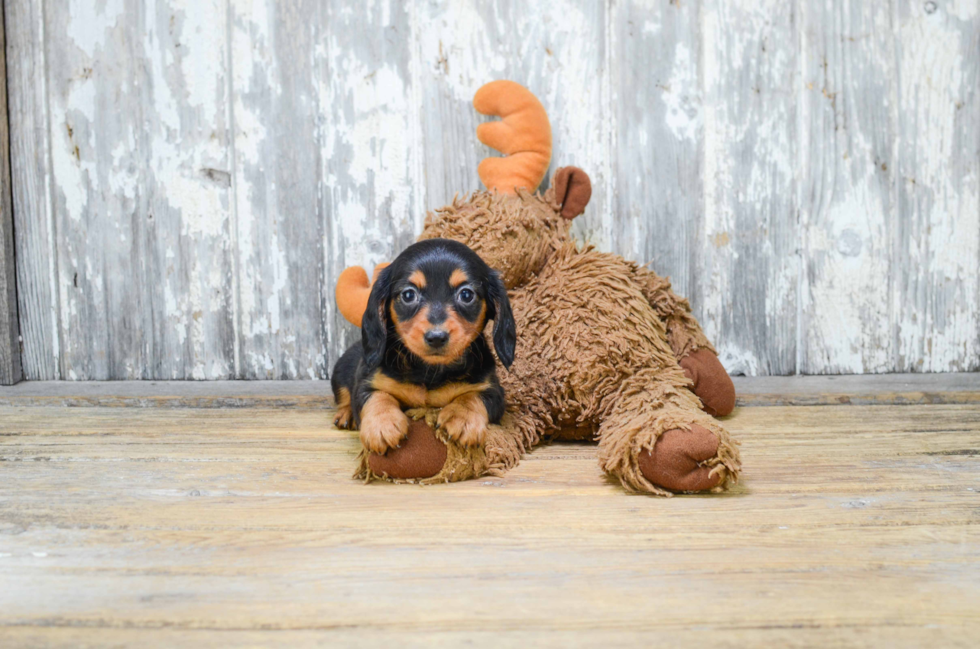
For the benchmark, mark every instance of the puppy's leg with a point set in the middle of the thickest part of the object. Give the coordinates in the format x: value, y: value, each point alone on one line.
x: 383, y: 424
x: 465, y: 419
x: 345, y: 415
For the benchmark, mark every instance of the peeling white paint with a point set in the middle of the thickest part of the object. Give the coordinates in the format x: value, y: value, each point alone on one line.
x: 805, y: 171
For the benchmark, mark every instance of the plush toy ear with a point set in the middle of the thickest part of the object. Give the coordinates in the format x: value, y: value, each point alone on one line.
x: 374, y: 324
x: 573, y: 189
x: 504, y: 327
x: 353, y: 290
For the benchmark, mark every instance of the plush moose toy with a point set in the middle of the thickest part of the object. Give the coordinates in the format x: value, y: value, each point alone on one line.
x: 605, y: 350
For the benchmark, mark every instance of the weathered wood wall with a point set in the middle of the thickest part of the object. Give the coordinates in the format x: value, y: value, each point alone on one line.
x: 190, y: 177
x: 10, y: 365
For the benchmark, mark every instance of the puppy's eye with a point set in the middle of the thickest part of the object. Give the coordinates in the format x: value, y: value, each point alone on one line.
x: 466, y: 296
x: 409, y: 295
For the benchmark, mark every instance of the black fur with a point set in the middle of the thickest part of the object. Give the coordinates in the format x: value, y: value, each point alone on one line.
x: 382, y: 350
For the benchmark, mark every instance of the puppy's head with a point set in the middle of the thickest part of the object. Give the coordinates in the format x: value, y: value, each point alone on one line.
x: 436, y: 297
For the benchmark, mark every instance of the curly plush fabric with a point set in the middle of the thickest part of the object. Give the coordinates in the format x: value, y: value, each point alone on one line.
x: 600, y: 340
x: 605, y: 350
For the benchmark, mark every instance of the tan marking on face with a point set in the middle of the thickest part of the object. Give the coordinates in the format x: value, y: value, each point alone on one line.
x: 383, y: 424
x: 462, y: 333
x: 418, y: 278
x: 416, y: 396
x: 465, y: 419
x: 344, y: 418
x: 458, y: 278
x: 412, y: 331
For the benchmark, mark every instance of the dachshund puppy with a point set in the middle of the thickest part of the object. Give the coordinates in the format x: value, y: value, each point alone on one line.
x: 422, y: 345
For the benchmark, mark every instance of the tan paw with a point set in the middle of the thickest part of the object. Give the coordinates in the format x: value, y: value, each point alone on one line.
x: 465, y: 420
x: 383, y: 424
x: 344, y: 418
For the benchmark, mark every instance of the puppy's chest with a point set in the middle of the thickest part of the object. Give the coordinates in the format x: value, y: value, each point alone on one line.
x: 414, y: 395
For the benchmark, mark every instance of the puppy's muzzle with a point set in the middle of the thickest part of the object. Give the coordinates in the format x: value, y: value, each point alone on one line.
x: 436, y: 338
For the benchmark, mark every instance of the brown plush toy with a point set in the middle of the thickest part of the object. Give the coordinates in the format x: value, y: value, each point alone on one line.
x: 605, y: 350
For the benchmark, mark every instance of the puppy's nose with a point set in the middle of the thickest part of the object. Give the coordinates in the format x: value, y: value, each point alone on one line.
x: 436, y: 338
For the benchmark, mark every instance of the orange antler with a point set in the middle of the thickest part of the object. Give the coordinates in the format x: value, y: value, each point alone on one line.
x: 523, y: 135
x: 353, y: 291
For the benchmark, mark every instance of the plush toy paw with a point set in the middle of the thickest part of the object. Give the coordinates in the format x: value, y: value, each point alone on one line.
x: 465, y: 420
x: 421, y: 455
x: 711, y: 382
x: 675, y: 462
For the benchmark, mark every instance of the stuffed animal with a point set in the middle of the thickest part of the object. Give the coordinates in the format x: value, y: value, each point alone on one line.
x: 606, y: 351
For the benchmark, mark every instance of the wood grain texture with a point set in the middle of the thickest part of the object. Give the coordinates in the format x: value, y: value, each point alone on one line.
x: 10, y: 363
x: 279, y: 226
x: 859, y: 389
x: 847, y: 207
x: 190, y: 178
x: 936, y: 255
x: 30, y: 173
x: 854, y: 527
x: 748, y: 269
x: 656, y: 106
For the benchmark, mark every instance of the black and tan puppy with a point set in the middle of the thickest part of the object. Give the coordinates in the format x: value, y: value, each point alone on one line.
x: 422, y: 345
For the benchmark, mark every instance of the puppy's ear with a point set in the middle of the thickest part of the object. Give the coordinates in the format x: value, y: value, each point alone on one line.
x: 504, y: 327
x: 374, y: 324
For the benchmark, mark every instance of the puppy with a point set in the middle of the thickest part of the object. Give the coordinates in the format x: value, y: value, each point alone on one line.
x: 422, y: 344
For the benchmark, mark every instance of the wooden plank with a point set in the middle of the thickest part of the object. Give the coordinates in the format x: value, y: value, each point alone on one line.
x: 556, y: 49
x: 847, y: 207
x: 30, y: 178
x: 936, y: 252
x: 187, y: 303
x: 371, y: 178
x: 139, y: 164
x: 10, y: 363
x: 854, y: 526
x: 280, y: 231
x: 748, y: 271
x: 879, y: 389
x: 656, y: 213
x: 94, y: 121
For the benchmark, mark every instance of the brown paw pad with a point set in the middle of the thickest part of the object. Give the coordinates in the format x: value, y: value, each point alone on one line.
x: 674, y: 462
x: 421, y: 455
x: 711, y: 382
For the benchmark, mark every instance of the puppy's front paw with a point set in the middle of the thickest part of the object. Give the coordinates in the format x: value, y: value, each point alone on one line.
x: 465, y: 420
x: 344, y: 418
x: 383, y: 424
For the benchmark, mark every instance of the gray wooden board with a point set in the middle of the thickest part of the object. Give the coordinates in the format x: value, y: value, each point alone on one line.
x: 10, y: 363
x: 881, y: 389
x: 189, y: 179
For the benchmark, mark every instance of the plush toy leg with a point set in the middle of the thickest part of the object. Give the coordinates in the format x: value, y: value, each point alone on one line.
x: 657, y: 440
x: 428, y: 456
x: 711, y: 382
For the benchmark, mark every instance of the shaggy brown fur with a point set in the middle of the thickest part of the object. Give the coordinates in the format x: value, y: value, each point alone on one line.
x: 605, y: 351
x: 597, y: 355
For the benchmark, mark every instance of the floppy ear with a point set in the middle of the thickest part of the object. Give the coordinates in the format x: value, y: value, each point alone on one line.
x: 573, y: 189
x: 504, y: 327
x: 374, y: 324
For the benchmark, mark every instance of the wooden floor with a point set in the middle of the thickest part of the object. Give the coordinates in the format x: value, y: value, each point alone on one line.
x: 854, y: 526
